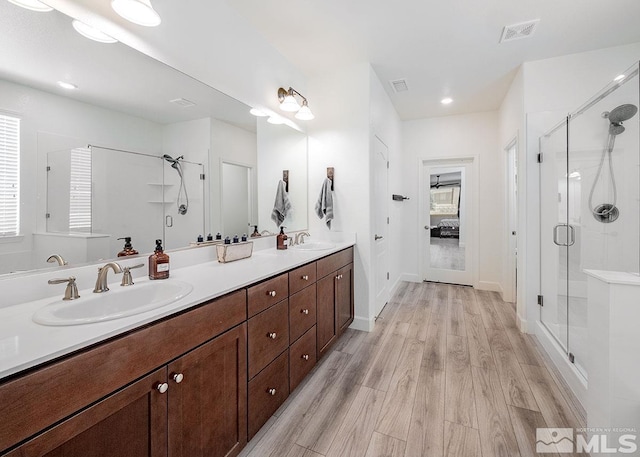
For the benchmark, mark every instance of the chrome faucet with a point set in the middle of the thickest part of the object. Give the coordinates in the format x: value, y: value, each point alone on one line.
x: 127, y: 279
x: 101, y: 282
x: 299, y: 238
x: 57, y: 258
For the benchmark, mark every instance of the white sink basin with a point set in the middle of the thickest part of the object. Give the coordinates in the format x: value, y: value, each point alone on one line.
x: 117, y: 303
x: 315, y: 246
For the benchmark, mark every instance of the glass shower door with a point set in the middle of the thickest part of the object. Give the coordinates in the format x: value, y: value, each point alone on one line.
x: 556, y: 234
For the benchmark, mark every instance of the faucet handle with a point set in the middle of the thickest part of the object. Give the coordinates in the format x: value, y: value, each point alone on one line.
x: 127, y: 279
x: 71, y: 292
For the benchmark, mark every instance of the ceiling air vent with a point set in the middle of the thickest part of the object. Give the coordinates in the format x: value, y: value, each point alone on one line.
x: 399, y: 85
x: 183, y: 102
x: 519, y: 31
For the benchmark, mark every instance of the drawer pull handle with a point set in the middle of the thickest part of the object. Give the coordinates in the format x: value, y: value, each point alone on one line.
x: 271, y: 391
x: 305, y: 356
x: 162, y: 387
x: 271, y: 293
x: 272, y: 335
x: 177, y: 377
x: 305, y: 277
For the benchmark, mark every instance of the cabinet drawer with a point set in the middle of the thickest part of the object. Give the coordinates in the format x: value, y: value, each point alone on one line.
x: 301, y: 278
x: 268, y: 336
x: 302, y: 357
x: 267, y: 293
x: 302, y: 312
x: 334, y: 261
x: 267, y: 392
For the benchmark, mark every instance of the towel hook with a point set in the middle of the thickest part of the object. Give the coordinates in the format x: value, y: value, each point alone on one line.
x: 285, y: 178
x: 330, y: 175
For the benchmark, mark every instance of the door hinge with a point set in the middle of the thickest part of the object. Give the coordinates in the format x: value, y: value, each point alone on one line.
x: 387, y: 164
x: 387, y: 219
x: 387, y: 275
x: 47, y: 215
x: 48, y: 168
x: 540, y: 158
x: 202, y: 176
x: 572, y: 358
x: 540, y: 300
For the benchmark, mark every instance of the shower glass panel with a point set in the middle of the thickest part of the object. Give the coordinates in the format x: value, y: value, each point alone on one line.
x: 593, y: 223
x: 555, y: 232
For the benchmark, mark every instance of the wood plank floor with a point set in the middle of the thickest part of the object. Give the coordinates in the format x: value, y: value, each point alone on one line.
x: 444, y: 373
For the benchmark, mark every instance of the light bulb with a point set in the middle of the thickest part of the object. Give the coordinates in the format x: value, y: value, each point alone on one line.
x: 289, y: 104
x: 304, y: 114
x: 446, y: 101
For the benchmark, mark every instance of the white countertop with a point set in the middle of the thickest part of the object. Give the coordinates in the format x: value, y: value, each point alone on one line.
x: 25, y: 344
x: 615, y: 277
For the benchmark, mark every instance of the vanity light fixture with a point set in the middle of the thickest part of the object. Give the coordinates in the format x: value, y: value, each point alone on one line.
x: 137, y: 11
x: 446, y: 101
x: 258, y: 113
x: 33, y: 5
x: 92, y: 33
x: 67, y: 85
x: 288, y: 102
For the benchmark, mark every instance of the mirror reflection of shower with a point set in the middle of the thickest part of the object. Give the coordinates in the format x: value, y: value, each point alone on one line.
x: 182, y: 202
x: 608, y: 212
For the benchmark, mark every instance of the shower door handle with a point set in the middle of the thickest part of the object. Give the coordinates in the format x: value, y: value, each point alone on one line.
x: 555, y: 235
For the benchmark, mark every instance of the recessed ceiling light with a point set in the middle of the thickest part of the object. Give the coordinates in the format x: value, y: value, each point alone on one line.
x: 33, y: 5
x: 137, y: 11
x: 257, y: 112
x: 446, y: 101
x: 92, y: 33
x: 66, y: 85
x: 619, y: 78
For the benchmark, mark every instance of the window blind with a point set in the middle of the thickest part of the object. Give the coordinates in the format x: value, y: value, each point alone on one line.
x: 80, y: 191
x: 9, y: 175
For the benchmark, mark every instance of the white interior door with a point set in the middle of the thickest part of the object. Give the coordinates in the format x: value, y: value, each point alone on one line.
x: 381, y: 222
x: 446, y: 215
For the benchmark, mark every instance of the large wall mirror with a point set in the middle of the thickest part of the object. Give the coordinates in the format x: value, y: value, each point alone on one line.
x: 136, y: 149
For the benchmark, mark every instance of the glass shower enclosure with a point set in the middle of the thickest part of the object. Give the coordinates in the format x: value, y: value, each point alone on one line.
x: 589, y: 207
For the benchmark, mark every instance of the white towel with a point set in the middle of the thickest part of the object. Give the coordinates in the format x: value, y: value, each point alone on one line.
x: 282, y: 205
x: 324, y: 205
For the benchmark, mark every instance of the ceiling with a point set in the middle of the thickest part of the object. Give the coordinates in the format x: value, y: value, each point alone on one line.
x: 441, y: 48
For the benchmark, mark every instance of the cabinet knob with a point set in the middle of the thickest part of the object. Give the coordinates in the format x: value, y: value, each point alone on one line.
x: 305, y: 311
x: 177, y: 377
x: 162, y: 387
x: 272, y: 335
x: 271, y: 391
x: 339, y: 277
x: 271, y: 293
x: 305, y: 277
x: 305, y: 356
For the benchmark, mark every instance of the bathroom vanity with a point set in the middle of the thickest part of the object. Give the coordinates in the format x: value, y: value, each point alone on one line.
x: 198, y: 382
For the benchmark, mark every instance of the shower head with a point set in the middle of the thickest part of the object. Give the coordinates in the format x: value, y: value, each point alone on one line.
x: 616, y: 129
x: 175, y: 163
x: 622, y: 113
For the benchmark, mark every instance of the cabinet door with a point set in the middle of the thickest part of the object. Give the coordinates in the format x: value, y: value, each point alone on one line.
x: 325, y: 313
x: 131, y: 422
x: 344, y: 297
x: 208, y: 398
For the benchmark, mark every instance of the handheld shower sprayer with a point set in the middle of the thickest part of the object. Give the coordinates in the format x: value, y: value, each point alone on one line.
x: 183, y: 198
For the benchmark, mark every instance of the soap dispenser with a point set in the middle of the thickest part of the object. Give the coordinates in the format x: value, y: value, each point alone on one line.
x: 158, y: 263
x: 255, y: 232
x: 128, y: 248
x: 281, y: 239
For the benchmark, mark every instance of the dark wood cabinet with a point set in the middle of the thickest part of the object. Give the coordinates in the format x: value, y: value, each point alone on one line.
x: 335, y: 306
x: 302, y: 312
x: 302, y: 357
x: 268, y: 336
x: 208, y: 398
x: 131, y: 422
x: 267, y: 293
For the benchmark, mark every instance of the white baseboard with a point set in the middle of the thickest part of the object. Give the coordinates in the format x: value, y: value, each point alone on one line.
x: 523, y: 324
x: 410, y: 277
x: 492, y: 286
x: 363, y: 324
x: 569, y: 373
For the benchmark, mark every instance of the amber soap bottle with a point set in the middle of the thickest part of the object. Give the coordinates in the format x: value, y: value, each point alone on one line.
x: 158, y: 263
x: 128, y: 248
x: 281, y: 240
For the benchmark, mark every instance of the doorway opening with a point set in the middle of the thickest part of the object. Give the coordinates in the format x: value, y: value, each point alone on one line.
x: 511, y: 286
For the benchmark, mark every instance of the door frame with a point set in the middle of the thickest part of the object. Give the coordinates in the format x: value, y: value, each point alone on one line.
x: 472, y: 241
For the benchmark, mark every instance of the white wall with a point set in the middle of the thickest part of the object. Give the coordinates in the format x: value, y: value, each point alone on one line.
x: 472, y: 135
x: 339, y: 137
